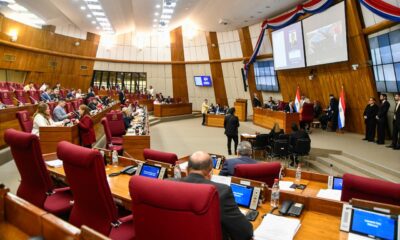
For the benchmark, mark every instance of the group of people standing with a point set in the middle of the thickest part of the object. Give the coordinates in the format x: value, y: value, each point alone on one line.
x: 376, y: 120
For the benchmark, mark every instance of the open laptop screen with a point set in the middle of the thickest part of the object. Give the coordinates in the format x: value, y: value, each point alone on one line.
x: 373, y: 224
x: 242, y: 194
x: 150, y: 171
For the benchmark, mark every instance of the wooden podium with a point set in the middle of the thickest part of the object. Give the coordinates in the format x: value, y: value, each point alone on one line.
x: 267, y: 118
x: 241, y: 109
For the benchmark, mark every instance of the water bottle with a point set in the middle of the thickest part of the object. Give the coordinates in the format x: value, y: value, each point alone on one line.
x: 114, y: 158
x: 298, y: 174
x: 177, y: 171
x: 275, y: 194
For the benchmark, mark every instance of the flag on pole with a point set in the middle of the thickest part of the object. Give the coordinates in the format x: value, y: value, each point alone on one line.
x: 297, y: 100
x: 342, y: 110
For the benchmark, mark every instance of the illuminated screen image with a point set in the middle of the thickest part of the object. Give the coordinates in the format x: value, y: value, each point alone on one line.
x: 337, y: 183
x: 150, y: 171
x: 377, y: 225
x: 242, y: 194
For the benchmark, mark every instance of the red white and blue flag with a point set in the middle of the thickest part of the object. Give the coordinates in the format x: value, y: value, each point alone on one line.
x: 383, y: 9
x: 342, y: 110
x: 297, y: 100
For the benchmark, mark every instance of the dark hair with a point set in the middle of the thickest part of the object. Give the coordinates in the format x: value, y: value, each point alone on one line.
x: 199, y: 165
x: 85, y: 109
x: 384, y: 95
x: 295, y: 127
x: 372, y: 98
x: 331, y: 95
x: 232, y: 110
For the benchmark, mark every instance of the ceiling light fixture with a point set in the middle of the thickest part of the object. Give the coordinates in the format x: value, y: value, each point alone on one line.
x: 166, y: 16
x: 98, y: 14
x: 155, y: 20
x: 94, y: 7
x: 156, y: 14
x: 158, y: 6
x: 88, y: 16
x: 83, y: 8
x: 93, y: 22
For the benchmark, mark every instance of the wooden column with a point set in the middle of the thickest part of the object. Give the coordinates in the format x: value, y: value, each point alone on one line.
x: 247, y: 49
x: 216, y: 69
x: 179, y: 81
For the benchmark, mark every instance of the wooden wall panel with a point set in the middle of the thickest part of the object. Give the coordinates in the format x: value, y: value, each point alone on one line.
x: 247, y: 49
x: 179, y: 81
x: 216, y: 69
x: 67, y: 70
x: 359, y: 85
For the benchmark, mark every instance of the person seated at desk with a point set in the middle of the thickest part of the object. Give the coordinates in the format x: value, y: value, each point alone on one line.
x: 85, y: 125
x: 78, y: 94
x: 234, y: 224
x: 280, y: 106
x: 212, y: 108
x: 57, y: 86
x: 42, y: 118
x: 94, y: 104
x: 244, y: 151
x: 46, y: 95
x: 290, y: 108
x: 256, y: 101
x: 43, y: 87
x: 127, y: 116
x: 331, y: 114
x: 168, y: 100
x: 317, y: 109
x: 275, y: 132
x: 59, y: 113
x: 219, y: 109
x: 56, y: 95
x: 90, y: 93
x: 29, y: 87
x: 296, y: 134
x: 106, y: 100
x: 270, y: 103
x: 71, y: 94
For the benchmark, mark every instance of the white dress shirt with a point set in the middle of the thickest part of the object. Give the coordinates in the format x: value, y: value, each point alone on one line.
x: 41, y: 121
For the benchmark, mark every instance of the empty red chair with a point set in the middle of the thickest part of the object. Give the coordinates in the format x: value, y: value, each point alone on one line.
x: 116, y: 124
x: 109, y: 138
x: 75, y: 104
x: 370, y: 189
x: 155, y: 155
x: 25, y: 121
x: 36, y: 186
x: 307, y: 114
x: 63, y: 94
x: 20, y: 96
x: 263, y: 172
x: 6, y: 98
x: 34, y: 96
x: 93, y: 203
x: 177, y: 209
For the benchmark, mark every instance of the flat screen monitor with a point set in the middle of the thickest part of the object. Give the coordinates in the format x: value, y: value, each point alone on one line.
x: 242, y: 194
x: 337, y: 183
x: 150, y: 171
x: 288, y: 47
x: 325, y: 36
x: 202, y: 81
x: 373, y: 224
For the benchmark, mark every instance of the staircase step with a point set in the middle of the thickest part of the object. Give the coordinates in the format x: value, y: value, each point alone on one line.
x: 338, y: 167
x: 322, y: 168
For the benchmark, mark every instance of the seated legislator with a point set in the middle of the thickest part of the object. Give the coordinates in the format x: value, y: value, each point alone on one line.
x: 127, y: 116
x: 235, y: 226
x: 71, y: 94
x: 43, y: 87
x: 46, y: 95
x: 29, y: 87
x: 78, y: 94
x: 93, y: 104
x: 59, y: 113
x: 85, y: 125
x: 244, y: 150
x: 55, y: 96
x: 331, y: 114
x: 294, y: 136
x: 290, y: 108
x: 42, y: 118
x: 275, y: 132
x: 256, y: 101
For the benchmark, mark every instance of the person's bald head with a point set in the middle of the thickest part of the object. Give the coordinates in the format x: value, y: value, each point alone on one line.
x: 200, y: 163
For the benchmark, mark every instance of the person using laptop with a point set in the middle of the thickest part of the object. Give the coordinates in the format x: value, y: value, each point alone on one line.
x: 235, y: 226
x: 244, y: 151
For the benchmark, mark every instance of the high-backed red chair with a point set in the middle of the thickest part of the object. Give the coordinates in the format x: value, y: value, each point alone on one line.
x: 34, y: 96
x: 3, y: 86
x: 75, y: 104
x: 68, y: 107
x: 25, y: 121
x: 307, y: 114
x: 52, y: 105
x: 176, y: 208
x: 20, y: 96
x: 109, y: 138
x: 116, y: 124
x: 370, y: 189
x: 36, y: 186
x: 165, y: 157
x: 93, y: 203
x: 79, y: 101
x: 263, y: 172
x: 6, y: 98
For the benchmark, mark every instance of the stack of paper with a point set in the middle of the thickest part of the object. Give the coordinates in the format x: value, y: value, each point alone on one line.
x: 54, y: 163
x: 183, y: 166
x: 331, y: 194
x: 221, y: 179
x: 275, y: 227
x: 285, y: 186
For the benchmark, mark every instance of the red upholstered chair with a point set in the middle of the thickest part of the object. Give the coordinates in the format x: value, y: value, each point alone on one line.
x: 307, y: 114
x: 116, y: 124
x: 20, y: 96
x: 75, y: 104
x: 68, y: 107
x: 36, y: 186
x: 3, y: 86
x: 155, y: 155
x: 177, y: 209
x: 93, y: 203
x: 52, y: 105
x: 6, y: 98
x: 370, y: 189
x: 109, y: 138
x: 263, y: 172
x: 80, y: 101
x: 63, y: 94
x: 25, y: 121
x: 34, y: 96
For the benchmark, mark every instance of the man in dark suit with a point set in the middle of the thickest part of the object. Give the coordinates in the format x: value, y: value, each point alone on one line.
x: 294, y: 136
x: 289, y: 108
x: 93, y: 104
x: 381, y: 118
x: 370, y: 120
x: 235, y: 226
x: 331, y: 114
x: 231, y: 125
x: 396, y: 124
x: 46, y: 96
x: 256, y: 101
x: 244, y: 151
x: 121, y: 96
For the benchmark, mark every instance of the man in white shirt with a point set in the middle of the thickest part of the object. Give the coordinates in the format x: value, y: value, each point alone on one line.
x: 29, y: 87
x: 43, y: 87
x: 204, y: 110
x: 151, y: 91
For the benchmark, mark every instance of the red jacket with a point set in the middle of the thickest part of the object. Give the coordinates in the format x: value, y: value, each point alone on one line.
x: 86, y: 131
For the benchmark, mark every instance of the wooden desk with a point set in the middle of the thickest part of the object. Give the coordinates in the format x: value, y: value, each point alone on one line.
x: 267, y: 118
x: 215, y: 120
x: 241, y: 109
x: 134, y: 145
x: 174, y: 109
x: 148, y: 103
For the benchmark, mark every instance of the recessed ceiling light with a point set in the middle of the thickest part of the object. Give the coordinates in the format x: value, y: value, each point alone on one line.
x: 88, y: 16
x: 95, y: 1
x: 155, y: 20
x: 158, y: 6
x: 166, y: 16
x: 156, y: 14
x: 98, y: 13
x: 97, y: 28
x: 154, y: 25
x: 167, y: 10
x: 93, y: 22
x: 102, y: 19
x: 83, y: 8
x: 94, y: 7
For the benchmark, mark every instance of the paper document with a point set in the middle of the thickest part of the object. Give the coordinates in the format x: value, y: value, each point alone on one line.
x: 183, y: 166
x: 285, y: 186
x: 221, y: 179
x: 54, y: 163
x: 353, y: 236
x: 243, y: 211
x: 331, y: 194
x: 275, y: 227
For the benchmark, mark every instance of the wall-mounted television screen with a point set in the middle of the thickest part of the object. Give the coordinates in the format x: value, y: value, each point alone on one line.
x: 202, y: 81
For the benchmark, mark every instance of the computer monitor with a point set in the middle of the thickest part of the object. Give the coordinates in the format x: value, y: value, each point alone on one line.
x: 373, y: 224
x: 246, y: 196
x: 150, y: 171
x: 337, y: 183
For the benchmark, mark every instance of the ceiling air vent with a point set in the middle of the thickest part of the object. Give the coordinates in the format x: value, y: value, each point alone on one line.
x: 52, y: 64
x: 84, y: 67
x: 9, y: 57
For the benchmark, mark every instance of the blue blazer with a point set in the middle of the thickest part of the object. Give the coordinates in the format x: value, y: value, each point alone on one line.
x: 46, y: 97
x: 228, y: 169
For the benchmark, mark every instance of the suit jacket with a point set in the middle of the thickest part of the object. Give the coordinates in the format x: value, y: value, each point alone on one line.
x: 397, y: 115
x: 297, y: 135
x: 228, y: 169
x: 121, y: 96
x: 234, y: 224
x: 45, y: 97
x: 256, y: 102
x: 59, y: 114
x: 92, y: 106
x: 86, y: 131
x: 382, y: 111
x: 288, y: 110
x: 370, y: 112
x: 231, y: 125
x: 333, y: 108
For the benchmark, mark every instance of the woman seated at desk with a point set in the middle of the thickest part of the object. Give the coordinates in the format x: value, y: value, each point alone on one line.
x: 42, y: 118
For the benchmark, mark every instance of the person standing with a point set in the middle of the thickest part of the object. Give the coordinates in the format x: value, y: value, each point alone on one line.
x: 381, y: 118
x: 256, y: 101
x: 370, y: 120
x: 121, y: 96
x: 231, y: 125
x: 204, y: 110
x: 85, y: 125
x: 396, y: 124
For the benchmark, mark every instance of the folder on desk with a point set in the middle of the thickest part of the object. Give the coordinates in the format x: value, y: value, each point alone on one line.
x: 54, y: 163
x: 275, y: 227
x: 330, y: 194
